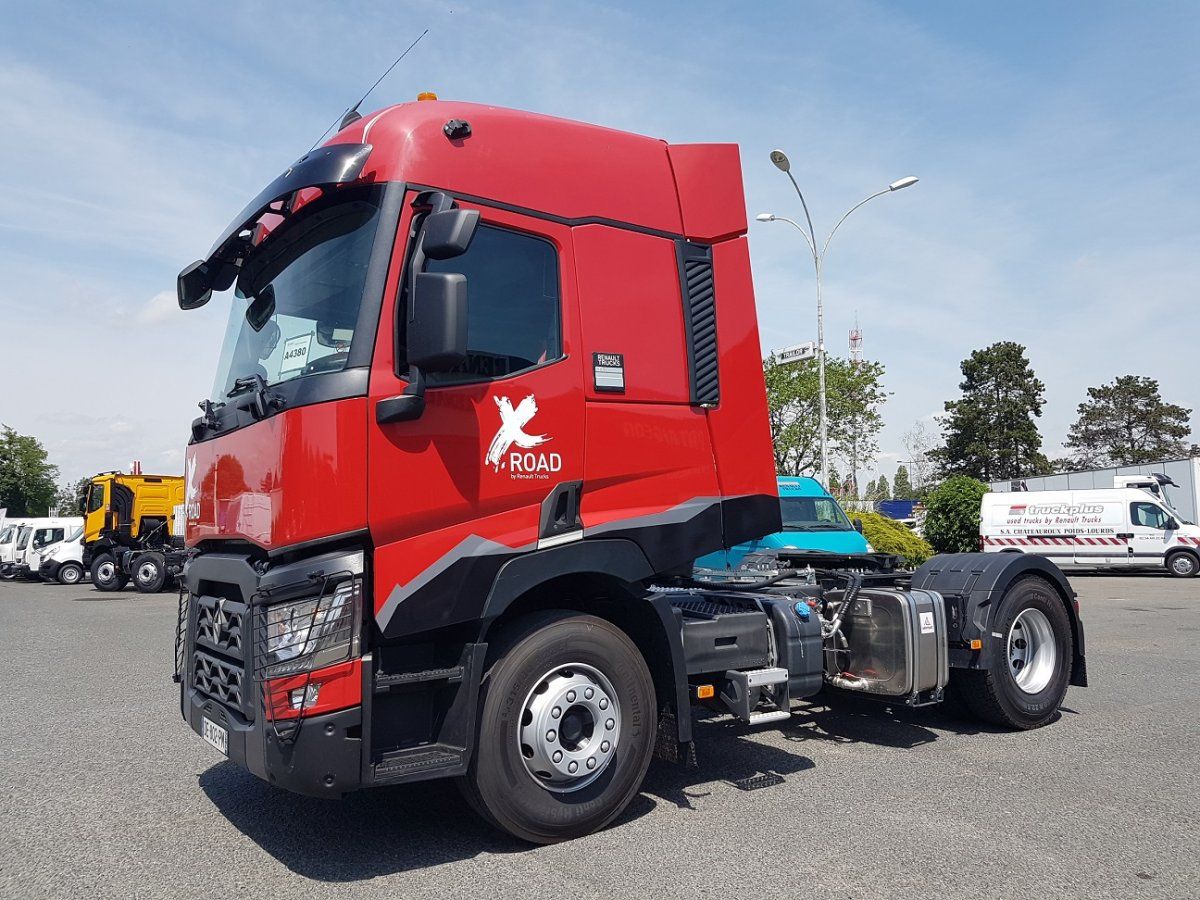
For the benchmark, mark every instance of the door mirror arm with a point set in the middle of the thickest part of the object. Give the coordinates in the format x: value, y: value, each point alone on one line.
x: 407, y: 405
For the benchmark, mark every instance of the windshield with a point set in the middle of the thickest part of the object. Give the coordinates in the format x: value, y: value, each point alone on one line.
x: 74, y: 535
x: 6, y: 535
x: 294, y: 309
x: 813, y: 514
x: 23, y: 537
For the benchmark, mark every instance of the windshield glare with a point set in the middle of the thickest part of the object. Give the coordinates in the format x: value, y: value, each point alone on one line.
x: 812, y: 514
x: 315, y: 265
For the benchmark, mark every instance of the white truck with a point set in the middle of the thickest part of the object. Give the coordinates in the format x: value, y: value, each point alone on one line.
x: 40, y: 533
x: 1121, y: 527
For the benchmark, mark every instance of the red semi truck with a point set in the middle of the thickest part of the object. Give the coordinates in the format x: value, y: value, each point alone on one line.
x: 491, y: 382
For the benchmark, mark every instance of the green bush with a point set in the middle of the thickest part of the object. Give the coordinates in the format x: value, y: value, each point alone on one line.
x: 952, y: 515
x: 889, y: 536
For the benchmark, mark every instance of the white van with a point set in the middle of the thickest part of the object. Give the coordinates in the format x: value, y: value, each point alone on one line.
x: 1119, y: 528
x: 63, y: 562
x: 41, y: 533
x: 8, y: 544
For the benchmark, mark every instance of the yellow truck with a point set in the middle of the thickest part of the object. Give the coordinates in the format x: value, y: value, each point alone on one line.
x: 129, y: 530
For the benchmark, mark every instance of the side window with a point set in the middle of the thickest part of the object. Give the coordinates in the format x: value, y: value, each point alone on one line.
x: 514, y: 311
x: 1148, y: 515
x: 95, y: 498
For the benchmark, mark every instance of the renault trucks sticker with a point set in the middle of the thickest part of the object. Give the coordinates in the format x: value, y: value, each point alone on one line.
x: 609, y: 372
x: 523, y: 462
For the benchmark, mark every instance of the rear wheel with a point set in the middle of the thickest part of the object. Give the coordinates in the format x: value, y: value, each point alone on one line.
x: 107, y: 575
x: 149, y: 573
x: 566, y: 728
x: 1029, y: 667
x: 1182, y: 564
x: 70, y: 573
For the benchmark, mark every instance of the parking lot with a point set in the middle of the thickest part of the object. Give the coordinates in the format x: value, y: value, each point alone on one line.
x: 104, y: 792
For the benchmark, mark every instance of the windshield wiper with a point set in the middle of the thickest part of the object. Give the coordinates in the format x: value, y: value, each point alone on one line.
x: 262, y: 401
x: 208, y: 418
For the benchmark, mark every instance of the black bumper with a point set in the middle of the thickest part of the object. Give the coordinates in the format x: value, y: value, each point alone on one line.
x: 48, y: 570
x: 323, y: 758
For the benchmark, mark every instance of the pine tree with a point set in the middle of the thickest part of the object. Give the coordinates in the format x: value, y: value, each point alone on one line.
x: 902, y: 488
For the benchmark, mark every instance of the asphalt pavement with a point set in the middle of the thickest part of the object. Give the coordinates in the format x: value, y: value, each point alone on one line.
x: 105, y: 792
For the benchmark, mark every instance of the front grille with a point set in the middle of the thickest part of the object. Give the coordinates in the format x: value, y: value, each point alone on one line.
x: 219, y: 625
x: 217, y: 679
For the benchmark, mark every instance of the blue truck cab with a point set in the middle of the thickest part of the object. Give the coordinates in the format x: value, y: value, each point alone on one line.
x: 812, y: 520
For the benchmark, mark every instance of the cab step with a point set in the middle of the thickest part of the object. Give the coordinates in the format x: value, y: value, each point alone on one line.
x: 385, y: 681
x: 746, y: 689
x: 419, y: 763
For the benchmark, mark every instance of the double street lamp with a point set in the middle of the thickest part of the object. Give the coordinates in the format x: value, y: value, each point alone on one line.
x: 779, y: 158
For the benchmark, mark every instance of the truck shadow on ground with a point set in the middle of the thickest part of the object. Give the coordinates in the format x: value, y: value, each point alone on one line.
x: 393, y: 830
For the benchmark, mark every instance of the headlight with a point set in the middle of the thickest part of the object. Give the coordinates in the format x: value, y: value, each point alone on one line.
x: 307, y: 634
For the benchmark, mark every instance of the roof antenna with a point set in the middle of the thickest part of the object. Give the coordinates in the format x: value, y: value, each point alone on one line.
x: 352, y: 115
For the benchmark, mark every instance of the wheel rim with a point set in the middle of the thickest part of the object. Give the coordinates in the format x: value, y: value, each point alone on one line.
x: 570, y: 727
x: 69, y: 575
x: 106, y: 571
x: 1182, y: 565
x: 1032, y: 651
x: 147, y: 572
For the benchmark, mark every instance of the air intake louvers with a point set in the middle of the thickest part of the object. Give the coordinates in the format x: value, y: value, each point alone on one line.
x: 700, y: 322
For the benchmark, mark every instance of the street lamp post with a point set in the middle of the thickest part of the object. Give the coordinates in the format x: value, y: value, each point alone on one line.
x: 779, y: 158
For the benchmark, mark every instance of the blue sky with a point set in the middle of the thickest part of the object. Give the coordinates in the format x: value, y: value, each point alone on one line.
x: 1056, y: 146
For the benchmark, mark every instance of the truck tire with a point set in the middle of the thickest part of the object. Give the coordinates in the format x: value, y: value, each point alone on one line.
x: 107, y: 575
x: 69, y: 573
x: 1029, y: 666
x: 566, y: 727
x: 1183, y: 564
x: 149, y: 573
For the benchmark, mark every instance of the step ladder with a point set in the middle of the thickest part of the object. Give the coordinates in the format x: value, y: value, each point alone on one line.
x: 747, y: 690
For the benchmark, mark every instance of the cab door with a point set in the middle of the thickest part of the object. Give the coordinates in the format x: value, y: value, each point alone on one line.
x: 488, y: 470
x: 1148, y: 536
x: 93, y: 511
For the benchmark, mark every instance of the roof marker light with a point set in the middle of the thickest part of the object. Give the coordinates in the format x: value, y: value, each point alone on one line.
x: 427, y: 95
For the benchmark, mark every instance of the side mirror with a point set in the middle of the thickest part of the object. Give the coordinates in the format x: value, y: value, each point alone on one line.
x: 857, y: 525
x: 1172, y: 524
x: 194, y: 285
x: 448, y: 234
x: 437, y: 327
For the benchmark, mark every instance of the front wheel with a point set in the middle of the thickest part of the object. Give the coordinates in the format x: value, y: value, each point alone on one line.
x: 1182, y: 564
x: 566, y: 728
x: 1029, y: 665
x: 107, y: 575
x: 70, y: 573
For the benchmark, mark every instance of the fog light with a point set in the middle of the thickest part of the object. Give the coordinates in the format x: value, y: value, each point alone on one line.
x: 303, y: 698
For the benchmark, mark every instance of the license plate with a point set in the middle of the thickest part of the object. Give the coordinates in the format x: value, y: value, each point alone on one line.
x: 215, y: 735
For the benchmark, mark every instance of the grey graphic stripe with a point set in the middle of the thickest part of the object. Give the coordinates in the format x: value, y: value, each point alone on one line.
x: 476, y: 546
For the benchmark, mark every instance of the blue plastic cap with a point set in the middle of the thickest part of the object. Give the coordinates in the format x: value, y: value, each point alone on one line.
x: 803, y: 610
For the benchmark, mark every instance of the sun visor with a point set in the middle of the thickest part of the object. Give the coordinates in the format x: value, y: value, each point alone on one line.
x: 322, y: 167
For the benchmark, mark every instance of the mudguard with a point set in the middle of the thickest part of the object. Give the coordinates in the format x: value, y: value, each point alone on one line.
x: 971, y: 582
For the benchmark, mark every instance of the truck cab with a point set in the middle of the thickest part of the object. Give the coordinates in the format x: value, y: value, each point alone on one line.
x: 812, y: 520
x: 490, y: 384
x: 125, y: 518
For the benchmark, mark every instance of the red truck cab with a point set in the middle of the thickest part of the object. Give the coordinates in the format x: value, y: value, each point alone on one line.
x: 491, y: 383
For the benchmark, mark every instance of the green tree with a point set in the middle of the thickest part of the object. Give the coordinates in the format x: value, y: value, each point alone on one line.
x: 883, y: 490
x: 69, y: 497
x: 1126, y: 423
x: 902, y: 488
x: 26, y: 476
x: 952, y: 515
x: 990, y: 432
x: 835, y: 482
x: 854, y: 396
